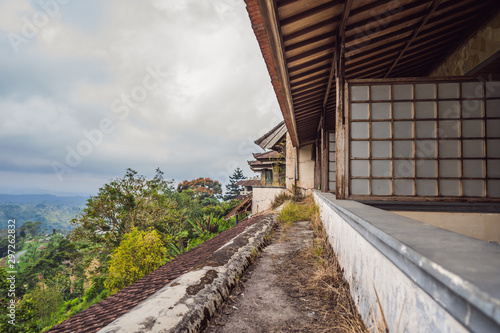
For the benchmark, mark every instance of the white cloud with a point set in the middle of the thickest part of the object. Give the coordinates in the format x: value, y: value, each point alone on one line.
x: 215, y: 98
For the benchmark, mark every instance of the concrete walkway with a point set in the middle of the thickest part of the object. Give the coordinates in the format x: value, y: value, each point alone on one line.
x: 262, y: 303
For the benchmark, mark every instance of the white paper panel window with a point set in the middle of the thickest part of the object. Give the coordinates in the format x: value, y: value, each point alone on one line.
x: 360, y: 149
x: 403, y: 149
x: 449, y: 168
x: 472, y: 128
x: 449, y: 148
x: 473, y: 168
x: 360, y: 186
x: 380, y: 93
x: 449, y: 187
x: 381, y: 130
x: 472, y: 109
x: 473, y: 148
x: 359, y: 111
x: 493, y: 128
x: 493, y: 147
x: 425, y: 110
x: 381, y: 186
x: 494, y: 168
x: 404, y: 168
x: 359, y: 130
x: 425, y: 91
x: 360, y: 168
x: 427, y: 168
x: 494, y: 188
x: 403, y: 187
x: 402, y: 110
x: 402, y: 91
x: 473, y: 188
x: 449, y: 128
x: 426, y: 187
x: 426, y: 148
x: 472, y: 89
x: 381, y: 168
x: 449, y: 109
x: 426, y: 129
x: 426, y: 139
x: 359, y: 93
x: 448, y: 90
x: 381, y: 149
x: 381, y: 111
x: 493, y: 108
x: 403, y: 129
x: 493, y: 89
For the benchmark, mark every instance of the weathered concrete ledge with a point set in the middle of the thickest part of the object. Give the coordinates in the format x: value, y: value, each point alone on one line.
x: 186, y: 303
x: 428, y: 279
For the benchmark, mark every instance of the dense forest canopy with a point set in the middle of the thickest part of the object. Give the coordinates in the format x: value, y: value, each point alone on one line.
x: 133, y: 225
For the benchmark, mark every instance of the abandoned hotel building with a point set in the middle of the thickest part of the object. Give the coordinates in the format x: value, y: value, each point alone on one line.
x: 393, y: 116
x: 392, y: 122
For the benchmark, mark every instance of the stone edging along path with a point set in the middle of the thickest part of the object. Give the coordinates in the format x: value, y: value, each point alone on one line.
x: 185, y: 304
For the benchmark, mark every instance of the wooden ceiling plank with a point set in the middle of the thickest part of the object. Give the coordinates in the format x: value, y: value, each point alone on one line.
x: 307, y: 79
x: 309, y: 63
x: 311, y: 28
x: 308, y: 83
x: 310, y: 53
x: 315, y: 85
x: 309, y: 72
x: 310, y: 12
x: 309, y: 41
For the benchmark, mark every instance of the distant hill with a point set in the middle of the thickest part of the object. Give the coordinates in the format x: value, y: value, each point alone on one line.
x: 30, y: 199
x: 54, y: 212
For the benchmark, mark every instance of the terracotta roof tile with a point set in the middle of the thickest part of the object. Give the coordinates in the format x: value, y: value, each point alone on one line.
x: 103, y: 313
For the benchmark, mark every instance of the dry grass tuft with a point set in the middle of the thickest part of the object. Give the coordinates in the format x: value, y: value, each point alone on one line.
x: 298, y: 211
x: 328, y: 276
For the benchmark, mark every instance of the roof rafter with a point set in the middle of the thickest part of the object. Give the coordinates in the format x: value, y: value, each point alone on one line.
x: 415, y: 33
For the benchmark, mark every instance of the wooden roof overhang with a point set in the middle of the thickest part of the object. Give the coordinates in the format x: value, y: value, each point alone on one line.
x: 302, y: 39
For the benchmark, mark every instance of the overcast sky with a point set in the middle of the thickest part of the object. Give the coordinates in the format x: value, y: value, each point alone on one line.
x: 89, y: 88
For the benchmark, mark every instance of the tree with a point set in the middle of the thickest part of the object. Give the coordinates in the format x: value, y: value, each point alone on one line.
x: 140, y: 253
x: 32, y: 228
x: 233, y: 190
x: 202, y: 189
x: 125, y: 203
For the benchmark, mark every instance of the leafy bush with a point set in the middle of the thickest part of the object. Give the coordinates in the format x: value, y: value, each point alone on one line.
x: 140, y: 253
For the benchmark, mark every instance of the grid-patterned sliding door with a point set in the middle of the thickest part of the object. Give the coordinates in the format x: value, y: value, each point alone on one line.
x: 424, y: 138
x: 331, y: 162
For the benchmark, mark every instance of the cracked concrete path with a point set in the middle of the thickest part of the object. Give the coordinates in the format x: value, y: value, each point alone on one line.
x: 261, y: 303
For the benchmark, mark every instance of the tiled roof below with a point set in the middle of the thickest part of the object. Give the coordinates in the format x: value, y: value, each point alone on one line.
x: 103, y: 313
x: 249, y: 182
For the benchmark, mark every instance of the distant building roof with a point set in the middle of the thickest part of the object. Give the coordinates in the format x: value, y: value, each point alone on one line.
x: 248, y: 182
x: 268, y: 155
x: 103, y: 313
x: 271, y: 139
x: 244, y: 207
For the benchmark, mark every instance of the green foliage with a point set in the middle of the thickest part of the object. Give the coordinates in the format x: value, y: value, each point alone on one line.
x: 233, y: 190
x: 140, y: 253
x: 202, y: 188
x: 126, y: 203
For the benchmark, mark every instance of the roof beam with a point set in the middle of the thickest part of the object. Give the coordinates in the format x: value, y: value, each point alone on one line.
x: 415, y: 33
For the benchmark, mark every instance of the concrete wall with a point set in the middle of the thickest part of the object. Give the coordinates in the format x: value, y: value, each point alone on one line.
x: 290, y: 165
x: 478, y: 48
x: 306, y: 168
x: 433, y: 279
x: 482, y: 226
x: 263, y: 196
x: 306, y: 165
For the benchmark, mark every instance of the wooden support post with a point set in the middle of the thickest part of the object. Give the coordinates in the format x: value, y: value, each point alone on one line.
x: 324, y: 154
x: 340, y: 142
